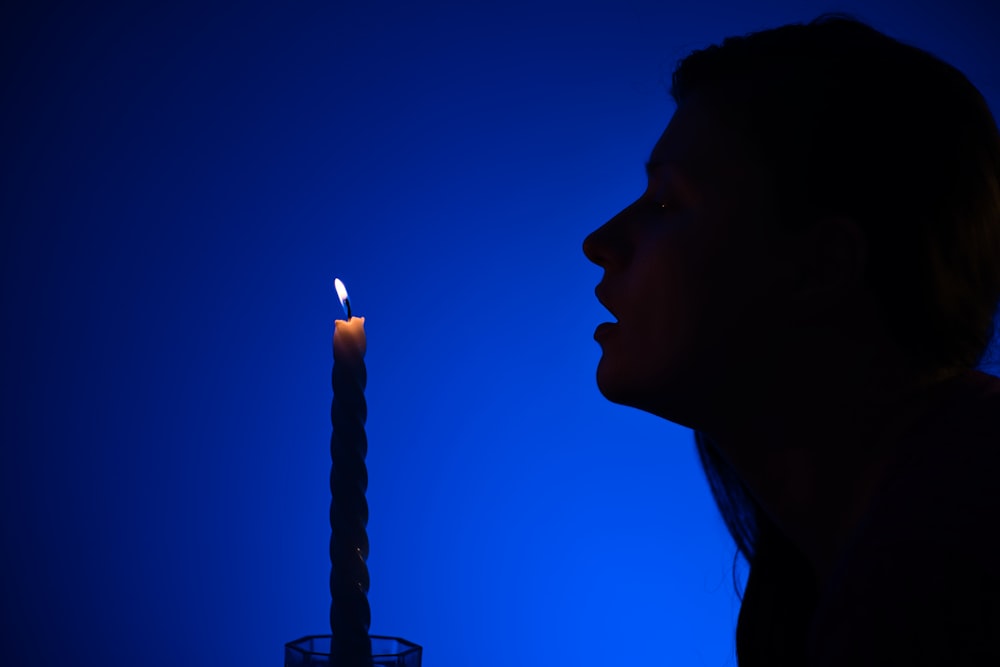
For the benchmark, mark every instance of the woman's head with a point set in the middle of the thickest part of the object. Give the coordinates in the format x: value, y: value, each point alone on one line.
x: 787, y: 128
x: 827, y: 131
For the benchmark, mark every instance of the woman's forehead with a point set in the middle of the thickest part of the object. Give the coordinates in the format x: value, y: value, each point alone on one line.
x: 700, y: 147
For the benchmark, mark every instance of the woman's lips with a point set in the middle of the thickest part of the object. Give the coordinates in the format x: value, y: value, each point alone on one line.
x: 605, y: 328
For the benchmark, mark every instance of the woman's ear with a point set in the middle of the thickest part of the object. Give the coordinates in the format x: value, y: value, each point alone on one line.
x: 827, y: 264
x: 830, y: 263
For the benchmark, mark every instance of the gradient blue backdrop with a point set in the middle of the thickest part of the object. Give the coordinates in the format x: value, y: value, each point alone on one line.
x: 180, y: 185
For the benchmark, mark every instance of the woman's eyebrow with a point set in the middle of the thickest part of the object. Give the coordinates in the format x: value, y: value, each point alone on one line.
x: 673, y: 171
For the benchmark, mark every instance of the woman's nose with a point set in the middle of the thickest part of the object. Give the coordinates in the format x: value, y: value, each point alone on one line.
x: 604, y: 246
x: 593, y: 246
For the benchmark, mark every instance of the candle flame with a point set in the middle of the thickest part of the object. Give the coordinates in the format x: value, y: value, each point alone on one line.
x: 341, y: 290
x: 342, y: 295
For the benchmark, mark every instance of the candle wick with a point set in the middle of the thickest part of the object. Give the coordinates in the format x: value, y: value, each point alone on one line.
x: 347, y: 307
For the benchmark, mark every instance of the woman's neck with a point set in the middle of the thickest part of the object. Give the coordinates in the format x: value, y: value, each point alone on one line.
x: 813, y: 445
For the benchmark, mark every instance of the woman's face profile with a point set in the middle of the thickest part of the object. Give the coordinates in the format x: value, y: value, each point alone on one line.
x: 689, y: 268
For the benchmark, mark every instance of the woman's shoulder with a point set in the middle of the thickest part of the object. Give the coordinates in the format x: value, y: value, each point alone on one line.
x: 910, y: 606
x: 965, y: 402
x: 947, y: 475
x: 919, y: 583
x: 943, y: 491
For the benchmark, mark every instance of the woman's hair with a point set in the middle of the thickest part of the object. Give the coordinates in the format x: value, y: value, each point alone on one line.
x: 853, y: 123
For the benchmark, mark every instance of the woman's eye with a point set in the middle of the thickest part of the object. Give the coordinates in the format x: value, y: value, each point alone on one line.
x: 667, y: 205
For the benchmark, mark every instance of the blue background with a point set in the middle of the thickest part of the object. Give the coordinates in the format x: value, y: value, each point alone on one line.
x: 181, y: 183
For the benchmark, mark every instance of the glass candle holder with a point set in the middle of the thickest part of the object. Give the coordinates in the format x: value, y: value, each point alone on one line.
x: 314, y: 651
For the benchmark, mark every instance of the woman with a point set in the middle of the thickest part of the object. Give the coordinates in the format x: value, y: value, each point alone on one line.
x: 809, y: 282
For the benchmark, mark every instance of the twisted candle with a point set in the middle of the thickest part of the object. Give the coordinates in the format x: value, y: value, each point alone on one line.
x: 350, y: 614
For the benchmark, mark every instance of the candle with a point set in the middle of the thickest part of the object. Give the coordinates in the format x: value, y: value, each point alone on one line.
x: 350, y: 614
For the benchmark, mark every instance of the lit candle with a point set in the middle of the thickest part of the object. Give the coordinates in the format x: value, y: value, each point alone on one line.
x: 350, y: 615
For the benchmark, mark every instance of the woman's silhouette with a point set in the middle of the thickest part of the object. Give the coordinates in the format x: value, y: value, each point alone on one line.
x: 809, y: 282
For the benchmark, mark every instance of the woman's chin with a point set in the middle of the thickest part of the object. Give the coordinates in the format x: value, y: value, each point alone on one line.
x: 660, y: 391
x: 619, y: 385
